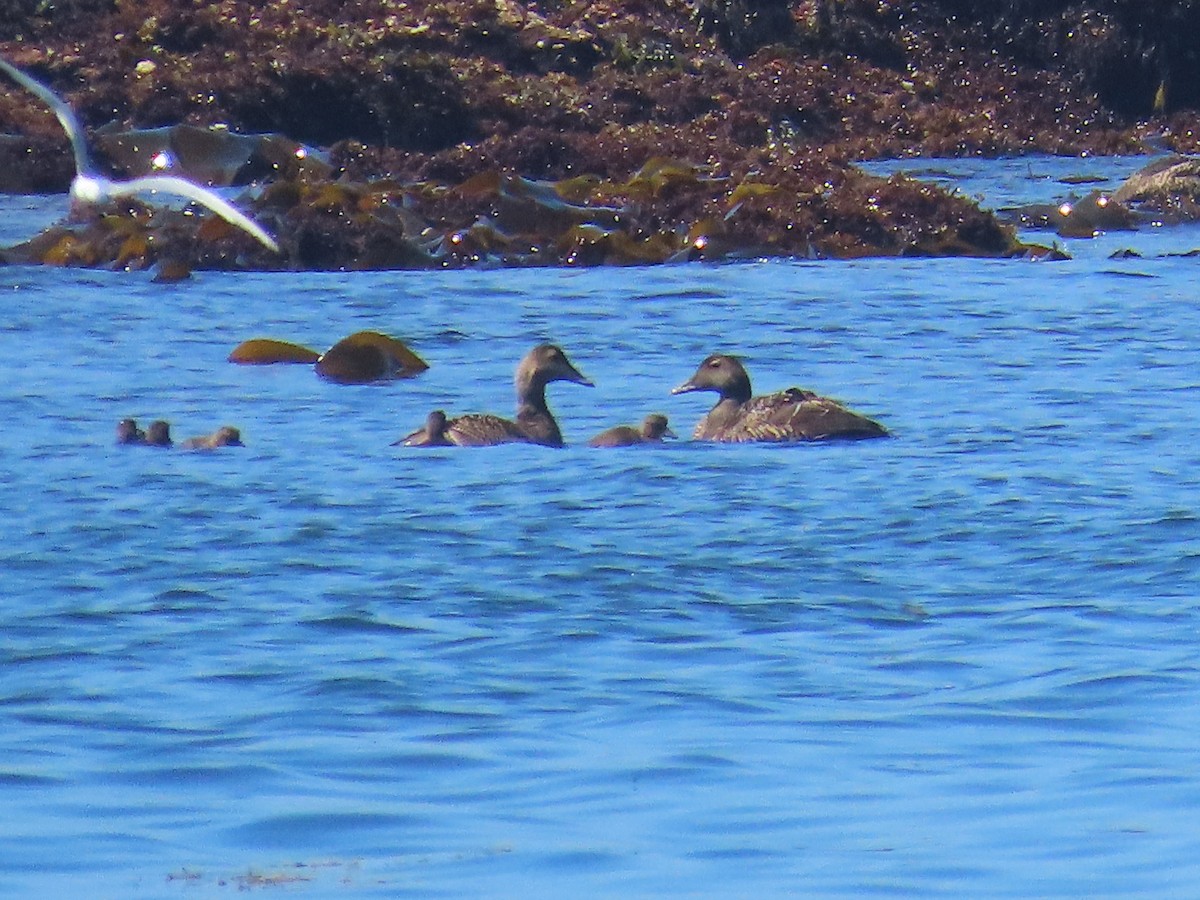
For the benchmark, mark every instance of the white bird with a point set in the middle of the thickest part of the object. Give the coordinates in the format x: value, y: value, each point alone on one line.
x: 89, y: 186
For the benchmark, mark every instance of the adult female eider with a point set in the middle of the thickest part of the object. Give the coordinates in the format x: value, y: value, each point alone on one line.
x: 789, y: 415
x: 534, y: 424
x: 653, y: 430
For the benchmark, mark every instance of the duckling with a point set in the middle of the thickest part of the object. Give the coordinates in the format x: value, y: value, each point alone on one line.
x: 158, y: 434
x: 225, y: 436
x: 653, y: 429
x: 432, y: 435
x: 129, y: 433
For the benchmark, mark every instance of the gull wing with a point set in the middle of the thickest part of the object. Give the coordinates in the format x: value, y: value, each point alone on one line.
x: 66, y: 116
x: 169, y: 184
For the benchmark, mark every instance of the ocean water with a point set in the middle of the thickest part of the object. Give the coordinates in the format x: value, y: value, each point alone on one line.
x: 964, y: 661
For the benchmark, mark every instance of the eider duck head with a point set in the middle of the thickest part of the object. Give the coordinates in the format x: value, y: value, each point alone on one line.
x: 543, y: 364
x: 720, y: 373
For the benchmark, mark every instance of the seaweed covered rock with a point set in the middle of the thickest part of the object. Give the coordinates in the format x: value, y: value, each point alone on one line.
x: 1169, y: 186
x: 450, y: 123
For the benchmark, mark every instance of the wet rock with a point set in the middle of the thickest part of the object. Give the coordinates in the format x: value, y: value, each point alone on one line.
x: 564, y: 115
x: 1084, y: 217
x: 209, y: 156
x: 1170, y: 186
x: 361, y: 358
x: 369, y: 356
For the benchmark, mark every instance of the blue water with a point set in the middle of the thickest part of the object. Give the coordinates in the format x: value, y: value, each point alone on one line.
x: 963, y: 662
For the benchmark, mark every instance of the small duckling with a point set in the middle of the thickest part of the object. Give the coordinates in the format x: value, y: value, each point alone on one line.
x: 653, y: 429
x: 158, y: 434
x: 129, y: 433
x: 225, y: 436
x: 432, y: 435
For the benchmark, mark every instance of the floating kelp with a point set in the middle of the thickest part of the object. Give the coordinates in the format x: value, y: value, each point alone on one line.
x: 528, y: 207
x: 363, y: 357
x: 660, y: 174
x: 266, y: 351
x: 369, y: 356
x: 128, y: 234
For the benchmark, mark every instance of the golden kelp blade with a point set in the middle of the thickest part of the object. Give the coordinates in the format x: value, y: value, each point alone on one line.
x: 261, y: 351
x: 369, y: 356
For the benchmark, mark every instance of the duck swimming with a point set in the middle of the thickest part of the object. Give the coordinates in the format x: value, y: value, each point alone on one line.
x: 129, y: 433
x: 225, y: 436
x: 533, y: 424
x: 652, y: 431
x: 158, y: 434
x: 789, y: 415
x: 432, y: 435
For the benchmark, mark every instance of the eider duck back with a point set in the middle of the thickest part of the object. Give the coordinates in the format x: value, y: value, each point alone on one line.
x: 789, y: 415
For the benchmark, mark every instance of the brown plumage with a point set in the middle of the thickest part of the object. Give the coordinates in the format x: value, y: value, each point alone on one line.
x: 432, y: 435
x: 158, y: 434
x: 225, y: 436
x: 653, y: 430
x: 533, y: 424
x: 129, y: 433
x: 789, y: 415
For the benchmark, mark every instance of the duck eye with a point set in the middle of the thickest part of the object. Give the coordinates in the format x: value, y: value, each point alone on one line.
x: 714, y: 364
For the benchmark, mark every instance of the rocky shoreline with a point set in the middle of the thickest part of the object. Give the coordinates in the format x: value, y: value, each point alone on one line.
x: 492, y: 132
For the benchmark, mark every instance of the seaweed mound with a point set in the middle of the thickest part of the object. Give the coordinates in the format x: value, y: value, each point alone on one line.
x: 484, y: 132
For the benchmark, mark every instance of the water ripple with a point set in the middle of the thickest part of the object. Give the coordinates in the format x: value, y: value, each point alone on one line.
x: 928, y: 666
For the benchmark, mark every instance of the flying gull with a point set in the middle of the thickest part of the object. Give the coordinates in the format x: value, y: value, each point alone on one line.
x: 89, y: 186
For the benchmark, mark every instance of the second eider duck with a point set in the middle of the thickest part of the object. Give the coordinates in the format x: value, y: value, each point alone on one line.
x: 534, y: 423
x: 789, y: 415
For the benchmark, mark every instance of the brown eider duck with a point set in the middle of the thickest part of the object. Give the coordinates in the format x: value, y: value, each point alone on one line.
x: 534, y: 424
x: 129, y: 433
x: 225, y: 436
x: 653, y: 430
x: 158, y: 434
x: 789, y: 415
x: 432, y: 435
